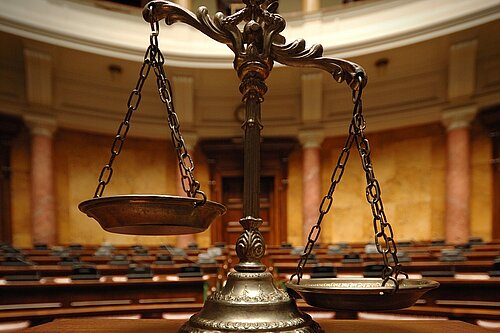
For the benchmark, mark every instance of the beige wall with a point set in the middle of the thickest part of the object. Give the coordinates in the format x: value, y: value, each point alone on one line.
x: 294, y: 194
x: 482, y: 184
x: 141, y: 168
x: 144, y: 166
x: 20, y: 190
x: 409, y: 164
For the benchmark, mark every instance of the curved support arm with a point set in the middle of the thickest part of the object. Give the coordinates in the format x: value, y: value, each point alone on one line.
x: 224, y: 30
x: 160, y: 9
x: 295, y: 54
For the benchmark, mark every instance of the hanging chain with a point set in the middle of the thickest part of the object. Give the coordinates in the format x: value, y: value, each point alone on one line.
x: 154, y: 58
x: 327, y: 201
x: 384, y: 236
x: 384, y: 241
x: 186, y: 165
x: 132, y: 103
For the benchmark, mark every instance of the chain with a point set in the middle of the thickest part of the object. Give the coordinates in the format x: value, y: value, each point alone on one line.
x: 133, y: 103
x: 327, y: 200
x: 186, y: 165
x: 384, y: 237
x: 154, y: 58
x: 384, y: 241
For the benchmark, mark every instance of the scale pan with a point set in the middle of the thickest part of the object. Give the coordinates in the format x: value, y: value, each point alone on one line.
x: 360, y: 294
x: 151, y: 214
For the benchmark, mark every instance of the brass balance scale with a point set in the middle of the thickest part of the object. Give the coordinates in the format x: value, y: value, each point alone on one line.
x: 250, y: 299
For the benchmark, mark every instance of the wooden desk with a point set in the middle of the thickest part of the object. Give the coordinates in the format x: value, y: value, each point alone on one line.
x: 471, y: 290
x: 475, y: 266
x: 133, y: 291
x: 103, y: 260
x: 330, y: 326
x: 47, y: 299
x: 66, y: 270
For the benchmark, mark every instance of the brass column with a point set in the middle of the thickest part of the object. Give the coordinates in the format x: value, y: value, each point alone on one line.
x: 252, y: 71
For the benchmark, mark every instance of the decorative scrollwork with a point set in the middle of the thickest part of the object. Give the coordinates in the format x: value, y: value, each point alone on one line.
x: 261, y: 29
x: 277, y: 295
x: 172, y: 13
x: 261, y: 37
x: 252, y: 83
x: 296, y: 54
x: 228, y: 325
x: 313, y: 328
x: 250, y: 245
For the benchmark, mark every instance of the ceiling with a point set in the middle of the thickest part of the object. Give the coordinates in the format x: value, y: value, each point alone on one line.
x: 94, y: 65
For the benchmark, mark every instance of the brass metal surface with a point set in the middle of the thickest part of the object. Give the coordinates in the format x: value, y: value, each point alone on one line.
x: 251, y: 302
x: 151, y: 214
x: 360, y: 294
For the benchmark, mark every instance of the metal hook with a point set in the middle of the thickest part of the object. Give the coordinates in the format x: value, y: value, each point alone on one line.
x: 358, y: 90
x: 155, y: 26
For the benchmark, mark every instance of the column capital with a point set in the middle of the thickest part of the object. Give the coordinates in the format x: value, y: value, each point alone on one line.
x: 40, y: 124
x: 311, y: 138
x: 459, y: 117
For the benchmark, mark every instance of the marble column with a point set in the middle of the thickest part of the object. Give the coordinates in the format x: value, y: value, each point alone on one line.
x: 311, y: 178
x: 39, y: 117
x: 458, y: 173
x: 43, y: 207
x: 182, y: 241
x: 309, y: 6
x: 457, y: 118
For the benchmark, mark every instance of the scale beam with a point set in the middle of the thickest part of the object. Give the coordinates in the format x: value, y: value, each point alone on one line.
x: 250, y: 300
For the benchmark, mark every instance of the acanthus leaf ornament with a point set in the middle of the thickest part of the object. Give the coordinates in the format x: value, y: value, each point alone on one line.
x: 262, y: 31
x: 296, y: 54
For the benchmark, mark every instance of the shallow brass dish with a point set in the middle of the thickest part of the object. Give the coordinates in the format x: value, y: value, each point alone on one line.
x: 151, y: 214
x: 360, y: 294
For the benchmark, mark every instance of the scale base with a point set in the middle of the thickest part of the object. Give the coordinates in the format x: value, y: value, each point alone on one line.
x: 250, y: 302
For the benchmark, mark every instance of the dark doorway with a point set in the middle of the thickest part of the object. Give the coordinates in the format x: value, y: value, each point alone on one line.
x: 225, y: 159
x: 9, y: 128
x: 490, y: 119
x: 232, y: 197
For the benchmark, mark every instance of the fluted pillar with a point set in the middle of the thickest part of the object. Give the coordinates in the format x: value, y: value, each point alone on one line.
x: 311, y: 137
x: 39, y: 117
x: 43, y: 200
x: 311, y: 178
x: 458, y: 174
x: 457, y: 118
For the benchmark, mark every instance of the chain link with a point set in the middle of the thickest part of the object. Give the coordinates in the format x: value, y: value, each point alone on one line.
x: 121, y: 134
x: 327, y: 201
x: 384, y: 236
x: 154, y: 59
x: 384, y: 240
x: 186, y: 165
